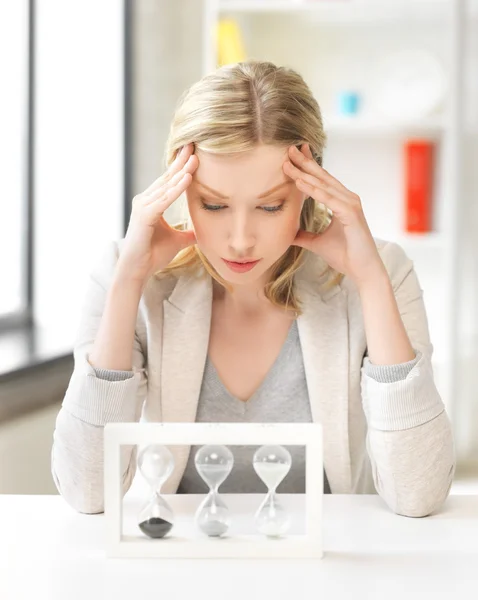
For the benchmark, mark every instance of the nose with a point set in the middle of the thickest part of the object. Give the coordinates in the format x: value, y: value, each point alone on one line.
x: 241, y: 236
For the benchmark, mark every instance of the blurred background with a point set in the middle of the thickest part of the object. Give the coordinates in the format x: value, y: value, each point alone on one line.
x: 88, y: 92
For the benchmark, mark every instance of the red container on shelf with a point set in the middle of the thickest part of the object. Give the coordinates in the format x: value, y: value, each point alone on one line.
x: 418, y: 154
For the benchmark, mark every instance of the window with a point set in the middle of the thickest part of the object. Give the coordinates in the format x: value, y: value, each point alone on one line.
x: 15, y: 158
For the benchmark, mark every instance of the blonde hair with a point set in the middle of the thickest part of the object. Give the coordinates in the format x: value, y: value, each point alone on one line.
x: 232, y: 110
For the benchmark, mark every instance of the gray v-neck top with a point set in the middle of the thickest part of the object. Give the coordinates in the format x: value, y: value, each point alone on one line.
x: 281, y: 397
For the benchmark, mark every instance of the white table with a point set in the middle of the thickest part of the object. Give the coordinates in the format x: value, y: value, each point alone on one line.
x: 48, y: 551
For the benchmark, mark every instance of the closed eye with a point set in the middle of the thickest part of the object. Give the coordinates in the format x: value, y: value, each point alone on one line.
x: 268, y: 209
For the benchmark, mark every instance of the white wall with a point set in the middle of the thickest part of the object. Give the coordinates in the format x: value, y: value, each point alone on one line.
x: 167, y: 50
x: 13, y: 127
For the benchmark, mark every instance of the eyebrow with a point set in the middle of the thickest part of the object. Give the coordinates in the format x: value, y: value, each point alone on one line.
x: 223, y: 197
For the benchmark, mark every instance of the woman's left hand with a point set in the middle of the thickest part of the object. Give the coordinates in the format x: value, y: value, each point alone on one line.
x: 347, y: 244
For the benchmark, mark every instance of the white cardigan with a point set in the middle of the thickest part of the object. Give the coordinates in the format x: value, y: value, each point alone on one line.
x: 391, y: 438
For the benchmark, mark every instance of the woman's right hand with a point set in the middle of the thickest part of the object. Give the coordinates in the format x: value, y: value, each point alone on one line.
x: 151, y: 243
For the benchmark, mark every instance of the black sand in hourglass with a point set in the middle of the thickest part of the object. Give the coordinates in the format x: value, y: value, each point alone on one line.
x: 155, y: 527
x: 156, y: 463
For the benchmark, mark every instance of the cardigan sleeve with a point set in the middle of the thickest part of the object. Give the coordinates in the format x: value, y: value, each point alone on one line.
x: 409, y: 437
x: 390, y: 373
x: 92, y: 400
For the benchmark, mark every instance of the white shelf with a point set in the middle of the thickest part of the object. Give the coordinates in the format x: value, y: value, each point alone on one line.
x: 377, y: 125
x: 346, y: 11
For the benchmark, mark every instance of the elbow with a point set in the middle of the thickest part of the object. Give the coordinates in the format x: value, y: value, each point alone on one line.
x: 428, y: 501
x: 79, y: 495
x: 417, y: 472
x: 81, y: 504
x: 88, y: 509
x: 418, y: 511
x: 80, y: 480
x: 80, y: 500
x: 86, y: 498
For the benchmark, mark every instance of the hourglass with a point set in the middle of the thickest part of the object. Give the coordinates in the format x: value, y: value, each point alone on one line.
x: 213, y: 463
x: 272, y: 463
x: 156, y: 463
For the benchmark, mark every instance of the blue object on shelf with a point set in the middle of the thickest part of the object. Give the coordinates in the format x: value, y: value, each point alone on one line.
x: 348, y: 103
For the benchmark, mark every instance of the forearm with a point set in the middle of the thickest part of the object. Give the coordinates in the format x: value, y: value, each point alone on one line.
x: 113, y: 346
x: 387, y: 339
x: 409, y: 439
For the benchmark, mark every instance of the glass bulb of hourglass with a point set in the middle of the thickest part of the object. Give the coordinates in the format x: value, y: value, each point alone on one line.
x: 213, y: 463
x: 272, y: 463
x: 156, y: 463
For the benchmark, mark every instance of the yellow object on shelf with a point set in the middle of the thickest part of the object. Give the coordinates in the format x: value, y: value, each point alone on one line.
x: 230, y: 46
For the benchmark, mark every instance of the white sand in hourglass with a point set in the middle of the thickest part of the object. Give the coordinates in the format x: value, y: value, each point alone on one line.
x: 272, y: 463
x: 271, y: 473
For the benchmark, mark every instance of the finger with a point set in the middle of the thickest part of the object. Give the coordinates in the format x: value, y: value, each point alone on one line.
x: 170, y: 195
x: 161, y: 190
x: 296, y: 174
x: 305, y: 148
x: 308, y: 152
x: 167, y: 191
x: 178, y: 163
x: 309, y: 165
x: 184, y: 157
x: 156, y: 193
x: 338, y: 206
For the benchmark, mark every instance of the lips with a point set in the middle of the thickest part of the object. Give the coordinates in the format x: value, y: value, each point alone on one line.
x: 242, y: 262
x: 241, y: 267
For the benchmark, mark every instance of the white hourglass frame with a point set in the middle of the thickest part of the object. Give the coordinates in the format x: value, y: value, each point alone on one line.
x: 309, y: 435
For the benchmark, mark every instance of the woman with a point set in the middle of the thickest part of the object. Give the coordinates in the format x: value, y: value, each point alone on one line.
x: 327, y: 324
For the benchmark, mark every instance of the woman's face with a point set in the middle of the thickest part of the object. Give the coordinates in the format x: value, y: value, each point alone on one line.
x: 231, y: 219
